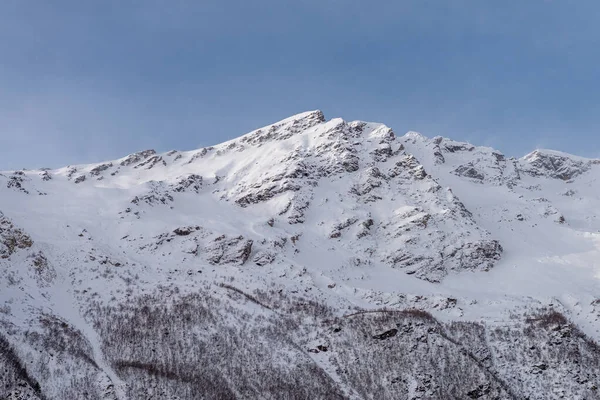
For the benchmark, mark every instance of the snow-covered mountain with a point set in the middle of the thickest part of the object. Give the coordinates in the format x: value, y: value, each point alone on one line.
x: 308, y: 259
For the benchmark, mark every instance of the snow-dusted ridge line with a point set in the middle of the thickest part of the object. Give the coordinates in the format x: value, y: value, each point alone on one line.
x: 311, y: 118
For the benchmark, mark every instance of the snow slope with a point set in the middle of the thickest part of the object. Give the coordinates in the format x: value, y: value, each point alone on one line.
x: 346, y: 214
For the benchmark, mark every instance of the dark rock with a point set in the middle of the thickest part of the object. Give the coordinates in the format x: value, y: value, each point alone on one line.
x: 539, y: 368
x: 284, y: 130
x: 158, y: 194
x: 480, y: 253
x: 469, y: 171
x: 70, y: 172
x: 201, y: 153
x: 137, y: 157
x: 97, y: 170
x: 263, y: 258
x: 46, y: 176
x: 351, y: 163
x: 498, y: 156
x: 439, y: 157
x: 520, y: 217
x: 184, y: 231
x: 454, y: 147
x: 235, y: 250
x: 12, y: 238
x: 151, y: 162
x: 409, y: 167
x: 556, y: 166
x: 387, y: 334
x: 480, y: 391
x: 191, y: 182
x: 16, y: 181
x: 382, y: 153
x: 266, y: 193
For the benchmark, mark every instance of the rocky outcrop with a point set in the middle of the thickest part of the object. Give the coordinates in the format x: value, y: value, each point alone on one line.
x: 408, y: 166
x: 192, y: 182
x: 263, y: 258
x: 12, y: 238
x: 16, y: 181
x: 150, y: 162
x: 224, y: 250
x: 284, y: 129
x: 556, y: 165
x: 96, y: 171
x: 156, y: 195
x: 480, y: 255
x: 136, y: 157
x: 469, y: 171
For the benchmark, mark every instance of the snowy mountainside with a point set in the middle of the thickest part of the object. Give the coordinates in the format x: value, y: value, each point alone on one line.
x: 299, y: 232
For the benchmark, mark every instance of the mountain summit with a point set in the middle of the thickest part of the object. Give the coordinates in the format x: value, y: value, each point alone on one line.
x: 311, y: 258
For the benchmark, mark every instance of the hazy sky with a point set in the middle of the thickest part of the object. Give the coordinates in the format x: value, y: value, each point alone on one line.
x: 84, y: 81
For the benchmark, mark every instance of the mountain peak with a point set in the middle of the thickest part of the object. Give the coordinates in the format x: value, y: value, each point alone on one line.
x: 332, y: 241
x: 314, y: 115
x: 281, y: 130
x: 415, y: 135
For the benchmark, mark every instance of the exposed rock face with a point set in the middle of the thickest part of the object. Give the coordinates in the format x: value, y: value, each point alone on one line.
x: 184, y: 231
x: 284, y: 129
x: 157, y: 194
x: 12, y: 238
x: 137, y: 157
x: 225, y: 250
x: 150, y: 162
x: 555, y: 165
x: 410, y: 166
x: 17, y: 182
x: 263, y: 258
x: 96, y: 171
x: 191, y: 182
x: 478, y: 256
x: 469, y: 171
x: 387, y: 334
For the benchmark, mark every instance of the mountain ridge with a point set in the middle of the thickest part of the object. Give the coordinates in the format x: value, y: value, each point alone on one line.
x: 316, y: 115
x: 294, y: 229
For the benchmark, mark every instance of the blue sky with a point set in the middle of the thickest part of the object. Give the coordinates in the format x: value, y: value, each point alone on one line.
x: 85, y: 81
